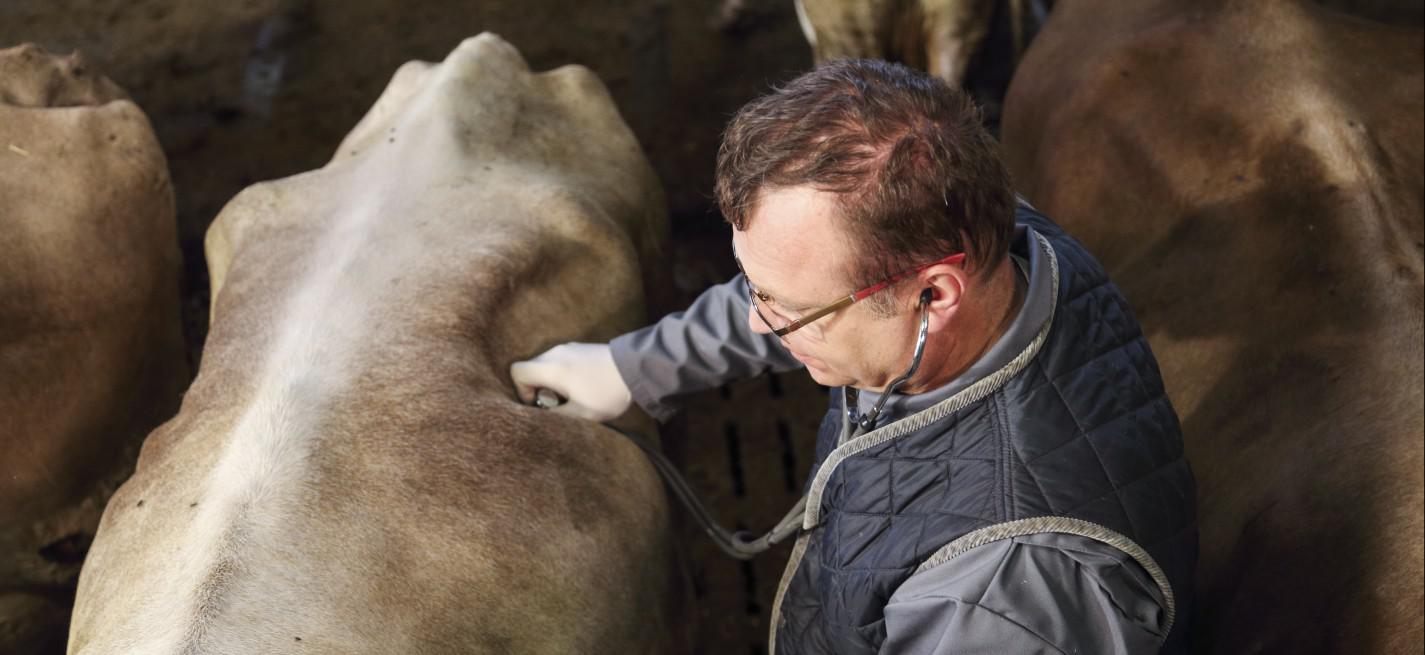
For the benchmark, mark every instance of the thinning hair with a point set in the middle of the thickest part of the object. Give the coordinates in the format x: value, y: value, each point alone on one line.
x: 917, y: 177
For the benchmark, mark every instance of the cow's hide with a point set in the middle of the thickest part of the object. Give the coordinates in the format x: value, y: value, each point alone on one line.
x: 91, y: 348
x: 351, y: 471
x: 940, y: 36
x: 1251, y: 174
x: 944, y: 37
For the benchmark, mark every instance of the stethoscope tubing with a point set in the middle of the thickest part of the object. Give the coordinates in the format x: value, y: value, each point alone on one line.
x: 739, y: 545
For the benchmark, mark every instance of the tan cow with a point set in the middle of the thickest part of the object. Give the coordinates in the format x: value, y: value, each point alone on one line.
x: 935, y: 35
x: 91, y: 347
x: 1250, y: 173
x: 351, y: 471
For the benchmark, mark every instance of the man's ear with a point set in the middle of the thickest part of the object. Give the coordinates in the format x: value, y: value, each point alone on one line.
x: 946, y: 283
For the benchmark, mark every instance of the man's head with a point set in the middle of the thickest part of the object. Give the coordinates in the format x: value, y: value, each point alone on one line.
x: 853, y: 173
x: 914, y: 173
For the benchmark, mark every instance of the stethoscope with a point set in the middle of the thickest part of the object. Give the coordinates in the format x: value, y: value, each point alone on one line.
x: 738, y: 544
x: 867, y: 422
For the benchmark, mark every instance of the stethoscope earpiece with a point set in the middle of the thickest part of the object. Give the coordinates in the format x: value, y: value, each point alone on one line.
x: 868, y: 420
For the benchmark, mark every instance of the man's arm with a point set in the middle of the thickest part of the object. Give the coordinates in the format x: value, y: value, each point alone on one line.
x: 702, y: 348
x: 1041, y: 593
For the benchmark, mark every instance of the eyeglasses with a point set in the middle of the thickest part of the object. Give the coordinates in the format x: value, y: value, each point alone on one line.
x: 759, y: 298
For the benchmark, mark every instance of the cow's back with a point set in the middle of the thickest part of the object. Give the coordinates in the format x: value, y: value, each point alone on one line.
x: 91, y: 349
x: 351, y: 471
x: 1250, y: 173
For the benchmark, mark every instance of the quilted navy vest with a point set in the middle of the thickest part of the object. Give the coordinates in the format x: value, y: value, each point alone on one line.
x: 1075, y: 435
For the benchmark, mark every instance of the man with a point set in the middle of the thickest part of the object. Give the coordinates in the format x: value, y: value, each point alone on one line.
x: 1024, y: 489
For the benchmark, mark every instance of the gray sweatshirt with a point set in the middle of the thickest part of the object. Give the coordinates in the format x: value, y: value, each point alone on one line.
x: 1041, y: 593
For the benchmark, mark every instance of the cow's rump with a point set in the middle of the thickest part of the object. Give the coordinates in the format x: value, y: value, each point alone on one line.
x: 351, y: 472
x: 91, y: 349
x: 1251, y: 175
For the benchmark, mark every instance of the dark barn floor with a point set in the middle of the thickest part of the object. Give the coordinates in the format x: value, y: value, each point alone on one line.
x: 745, y: 449
x: 748, y: 447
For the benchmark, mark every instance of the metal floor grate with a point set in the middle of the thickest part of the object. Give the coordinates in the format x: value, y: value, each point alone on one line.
x: 745, y: 449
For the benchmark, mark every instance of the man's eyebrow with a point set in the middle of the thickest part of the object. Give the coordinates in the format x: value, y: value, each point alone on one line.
x: 776, y: 297
x: 784, y: 304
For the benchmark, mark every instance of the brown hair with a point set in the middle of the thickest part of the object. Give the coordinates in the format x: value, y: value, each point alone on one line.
x: 918, y: 177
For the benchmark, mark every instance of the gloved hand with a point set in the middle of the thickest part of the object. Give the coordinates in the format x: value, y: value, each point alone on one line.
x: 583, y: 373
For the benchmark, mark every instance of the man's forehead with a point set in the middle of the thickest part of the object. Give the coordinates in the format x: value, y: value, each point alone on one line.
x: 793, y: 247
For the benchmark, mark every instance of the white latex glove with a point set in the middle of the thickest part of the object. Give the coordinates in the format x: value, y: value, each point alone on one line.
x: 583, y: 373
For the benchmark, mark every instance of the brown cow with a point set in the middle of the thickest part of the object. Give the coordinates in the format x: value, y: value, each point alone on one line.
x: 91, y: 347
x: 944, y: 36
x: 351, y: 471
x: 1250, y: 172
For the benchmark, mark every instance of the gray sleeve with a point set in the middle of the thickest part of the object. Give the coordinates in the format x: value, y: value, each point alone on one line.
x: 702, y: 348
x: 1042, y: 593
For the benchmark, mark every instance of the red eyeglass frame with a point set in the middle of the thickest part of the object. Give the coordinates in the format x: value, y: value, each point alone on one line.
x: 846, y: 301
